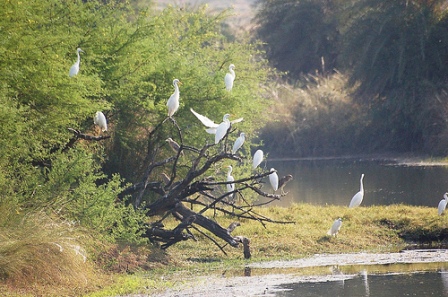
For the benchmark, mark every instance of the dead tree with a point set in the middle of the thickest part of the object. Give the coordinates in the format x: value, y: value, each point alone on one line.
x: 188, y: 181
x: 185, y: 181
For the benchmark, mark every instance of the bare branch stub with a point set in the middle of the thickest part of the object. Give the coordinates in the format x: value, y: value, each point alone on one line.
x: 187, y: 180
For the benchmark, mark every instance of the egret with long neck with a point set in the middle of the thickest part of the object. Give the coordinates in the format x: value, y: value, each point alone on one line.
x: 173, y: 101
x: 357, y: 199
x: 75, y: 67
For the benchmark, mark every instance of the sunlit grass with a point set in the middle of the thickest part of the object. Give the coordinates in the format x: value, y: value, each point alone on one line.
x: 31, y: 260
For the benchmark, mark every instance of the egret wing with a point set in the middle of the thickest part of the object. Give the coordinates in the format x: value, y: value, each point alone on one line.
x: 204, y: 120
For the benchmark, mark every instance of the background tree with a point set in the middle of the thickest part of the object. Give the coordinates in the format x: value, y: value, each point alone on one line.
x: 301, y: 36
x: 397, y: 52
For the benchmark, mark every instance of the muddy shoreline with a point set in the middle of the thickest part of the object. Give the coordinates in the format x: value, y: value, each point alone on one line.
x: 267, y: 284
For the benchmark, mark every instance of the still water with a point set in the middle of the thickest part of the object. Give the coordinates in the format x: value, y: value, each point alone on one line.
x: 335, y: 181
x: 364, y: 285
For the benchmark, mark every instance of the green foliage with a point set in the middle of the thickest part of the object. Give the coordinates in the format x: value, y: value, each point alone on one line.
x: 130, y: 59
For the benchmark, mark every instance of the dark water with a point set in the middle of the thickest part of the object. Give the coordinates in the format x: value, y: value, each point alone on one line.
x: 384, y: 285
x: 336, y: 181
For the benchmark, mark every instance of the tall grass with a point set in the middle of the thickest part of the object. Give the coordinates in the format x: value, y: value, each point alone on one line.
x: 41, y: 256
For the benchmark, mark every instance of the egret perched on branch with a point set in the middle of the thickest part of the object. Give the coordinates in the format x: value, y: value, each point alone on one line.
x: 258, y: 158
x: 357, y: 199
x: 173, y: 101
x: 211, y: 125
x: 238, y: 142
x: 222, y: 128
x: 174, y: 145
x: 230, y: 187
x: 229, y: 78
x: 442, y: 204
x: 100, y: 120
x: 273, y: 179
x: 335, y: 227
x: 75, y: 67
x: 283, y: 181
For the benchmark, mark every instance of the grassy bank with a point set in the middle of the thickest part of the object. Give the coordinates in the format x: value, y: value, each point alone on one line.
x: 372, y: 229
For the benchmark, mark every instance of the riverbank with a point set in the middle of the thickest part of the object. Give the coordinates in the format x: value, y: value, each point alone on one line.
x: 301, y: 251
x: 263, y: 278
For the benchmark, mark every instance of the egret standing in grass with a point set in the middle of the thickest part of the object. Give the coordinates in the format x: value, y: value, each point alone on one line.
x: 75, y: 67
x: 174, y: 145
x: 229, y: 78
x: 100, y: 120
x: 442, y: 204
x: 335, y: 227
x: 258, y: 158
x: 211, y: 125
x: 273, y: 179
x: 238, y: 142
x: 357, y: 199
x: 173, y: 101
x: 230, y: 187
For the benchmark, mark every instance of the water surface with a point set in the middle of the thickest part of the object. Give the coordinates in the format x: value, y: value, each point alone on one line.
x: 335, y: 181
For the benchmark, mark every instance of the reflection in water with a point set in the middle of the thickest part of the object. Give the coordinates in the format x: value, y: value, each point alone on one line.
x: 336, y: 181
x: 386, y: 285
x: 366, y: 282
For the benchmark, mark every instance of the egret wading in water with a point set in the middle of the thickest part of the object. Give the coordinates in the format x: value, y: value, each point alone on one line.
x: 211, y: 125
x: 357, y: 199
x: 335, y: 227
x: 273, y: 179
x: 75, y: 67
x: 238, y: 142
x: 258, y: 158
x: 230, y: 187
x: 100, y: 120
x: 174, y: 146
x: 442, y: 204
x: 173, y: 101
x: 229, y: 78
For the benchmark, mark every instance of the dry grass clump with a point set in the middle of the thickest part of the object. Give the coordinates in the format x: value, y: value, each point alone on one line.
x: 41, y: 256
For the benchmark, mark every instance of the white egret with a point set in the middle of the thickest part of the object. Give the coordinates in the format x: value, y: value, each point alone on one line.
x: 442, y: 204
x: 173, y: 101
x: 357, y: 199
x: 222, y: 129
x: 283, y: 181
x: 100, y: 120
x: 230, y: 187
x: 229, y: 78
x: 174, y: 145
x: 335, y: 227
x: 238, y: 142
x: 258, y: 158
x: 273, y: 179
x: 75, y: 67
x: 211, y: 125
